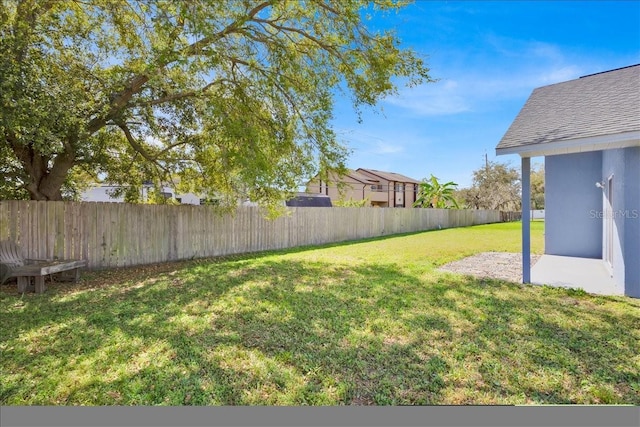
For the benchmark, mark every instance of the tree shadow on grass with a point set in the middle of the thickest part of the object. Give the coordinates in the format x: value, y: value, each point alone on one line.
x: 253, y: 309
x: 575, y: 348
x: 290, y: 333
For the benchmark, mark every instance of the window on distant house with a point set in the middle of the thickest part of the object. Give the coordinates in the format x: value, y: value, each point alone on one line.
x: 399, y: 187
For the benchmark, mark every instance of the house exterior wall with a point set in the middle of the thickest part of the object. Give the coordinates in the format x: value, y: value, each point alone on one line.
x: 623, y: 165
x: 632, y: 222
x: 389, y: 194
x: 571, y: 199
x: 379, y: 197
x: 353, y: 189
x: 100, y: 194
x: 188, y: 198
x: 575, y: 213
x: 411, y: 194
x: 103, y: 193
x: 408, y: 196
x: 383, y: 197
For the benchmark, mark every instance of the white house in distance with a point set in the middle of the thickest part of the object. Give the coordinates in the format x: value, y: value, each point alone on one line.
x: 104, y: 193
x: 588, y: 131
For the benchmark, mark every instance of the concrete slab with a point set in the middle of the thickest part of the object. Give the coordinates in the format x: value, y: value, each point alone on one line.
x: 588, y: 274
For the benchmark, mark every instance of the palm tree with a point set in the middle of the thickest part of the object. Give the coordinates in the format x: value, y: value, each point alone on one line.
x: 433, y: 194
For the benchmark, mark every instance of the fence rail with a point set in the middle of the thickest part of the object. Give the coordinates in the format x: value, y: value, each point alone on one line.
x: 118, y: 234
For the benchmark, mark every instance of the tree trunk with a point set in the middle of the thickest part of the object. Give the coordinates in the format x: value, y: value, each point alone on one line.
x: 46, y: 189
x: 46, y: 175
x: 49, y: 186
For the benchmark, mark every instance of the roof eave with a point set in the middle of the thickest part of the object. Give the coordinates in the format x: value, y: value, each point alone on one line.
x: 403, y: 179
x: 595, y: 143
x: 360, y: 180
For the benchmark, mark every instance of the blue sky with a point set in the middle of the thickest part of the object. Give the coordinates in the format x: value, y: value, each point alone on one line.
x: 488, y: 57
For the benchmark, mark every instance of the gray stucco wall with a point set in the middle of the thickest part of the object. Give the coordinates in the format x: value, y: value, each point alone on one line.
x: 624, y: 165
x: 572, y: 226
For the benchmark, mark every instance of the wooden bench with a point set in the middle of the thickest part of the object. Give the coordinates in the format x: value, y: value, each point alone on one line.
x: 14, y: 264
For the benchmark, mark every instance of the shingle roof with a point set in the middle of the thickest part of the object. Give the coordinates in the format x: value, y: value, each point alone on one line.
x: 390, y: 176
x: 309, y: 200
x: 360, y: 177
x: 595, y: 105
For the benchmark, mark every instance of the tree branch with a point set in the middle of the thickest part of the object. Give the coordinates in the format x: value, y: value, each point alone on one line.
x: 285, y: 29
x: 133, y: 143
x: 181, y: 95
x: 194, y: 48
x: 136, y: 84
x: 171, y: 147
x: 138, y: 148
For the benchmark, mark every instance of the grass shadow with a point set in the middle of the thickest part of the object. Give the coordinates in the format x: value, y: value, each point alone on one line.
x: 287, y: 331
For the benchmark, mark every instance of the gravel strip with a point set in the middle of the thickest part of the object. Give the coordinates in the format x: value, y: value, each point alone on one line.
x: 495, y: 265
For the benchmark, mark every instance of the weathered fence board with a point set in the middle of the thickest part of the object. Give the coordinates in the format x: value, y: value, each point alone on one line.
x: 118, y: 235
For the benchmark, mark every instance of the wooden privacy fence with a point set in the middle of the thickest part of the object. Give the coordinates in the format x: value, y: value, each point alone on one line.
x: 119, y: 234
x: 510, y: 216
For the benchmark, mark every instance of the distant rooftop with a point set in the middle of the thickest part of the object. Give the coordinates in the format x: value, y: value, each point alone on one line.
x: 302, y: 200
x: 360, y: 177
x: 389, y: 176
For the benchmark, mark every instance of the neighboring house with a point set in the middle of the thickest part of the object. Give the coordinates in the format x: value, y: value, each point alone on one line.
x: 105, y: 193
x: 381, y: 189
x: 351, y: 186
x: 400, y: 190
x: 588, y: 130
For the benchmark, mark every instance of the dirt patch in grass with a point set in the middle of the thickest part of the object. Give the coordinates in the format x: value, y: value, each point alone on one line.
x: 93, y: 280
x: 494, y: 265
x: 106, y: 278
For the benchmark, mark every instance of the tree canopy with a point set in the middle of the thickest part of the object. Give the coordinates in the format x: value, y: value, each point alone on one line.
x: 537, y: 186
x: 495, y: 185
x: 232, y: 98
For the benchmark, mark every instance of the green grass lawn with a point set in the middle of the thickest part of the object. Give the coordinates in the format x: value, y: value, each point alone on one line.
x: 363, y: 323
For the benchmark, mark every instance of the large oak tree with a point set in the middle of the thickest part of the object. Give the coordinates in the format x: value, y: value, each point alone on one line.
x: 233, y: 98
x: 495, y: 186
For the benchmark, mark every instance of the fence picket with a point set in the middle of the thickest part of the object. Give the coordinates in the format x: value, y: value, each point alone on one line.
x: 116, y: 234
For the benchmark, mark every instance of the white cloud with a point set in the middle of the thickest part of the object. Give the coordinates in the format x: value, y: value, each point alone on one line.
x: 533, y: 62
x: 544, y: 51
x: 383, y: 147
x: 432, y: 99
x: 368, y: 143
x: 556, y: 75
x: 519, y: 68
